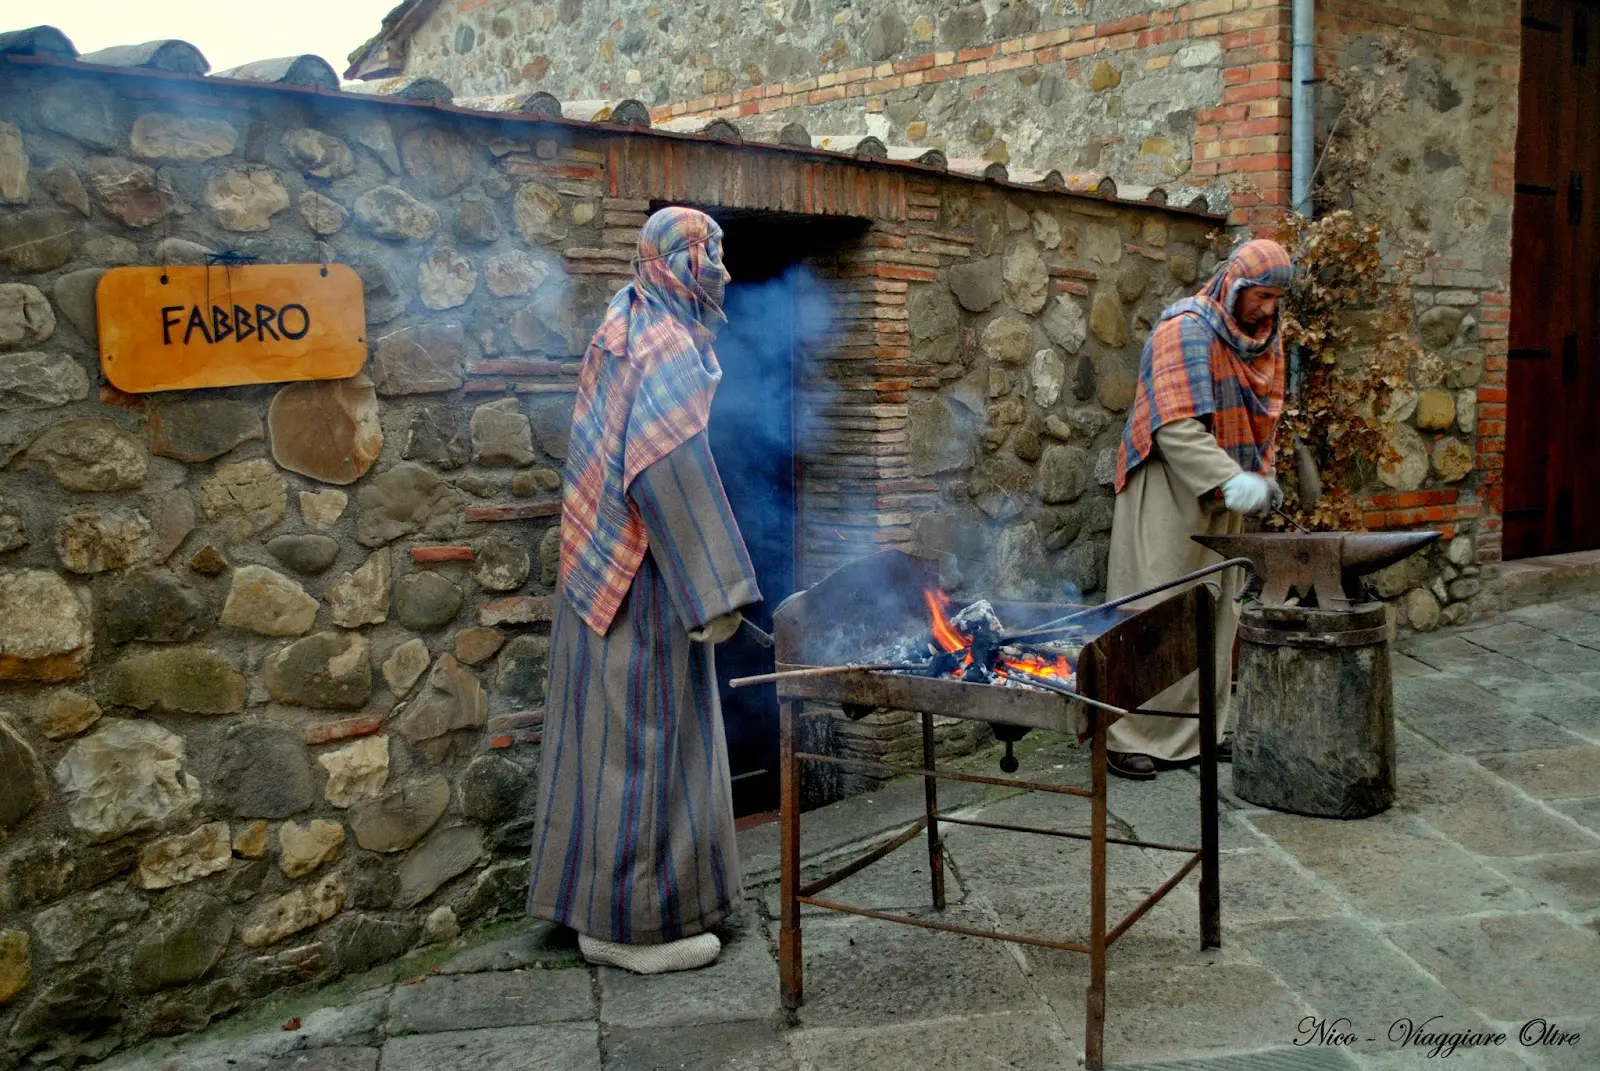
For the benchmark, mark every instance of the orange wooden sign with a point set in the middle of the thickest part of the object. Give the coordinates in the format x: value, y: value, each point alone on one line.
x: 182, y: 327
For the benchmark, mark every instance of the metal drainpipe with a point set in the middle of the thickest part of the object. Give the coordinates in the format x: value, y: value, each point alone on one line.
x: 1302, y: 136
x: 1303, y: 116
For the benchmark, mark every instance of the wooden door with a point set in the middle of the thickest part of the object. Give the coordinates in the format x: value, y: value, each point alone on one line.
x: 1552, y: 471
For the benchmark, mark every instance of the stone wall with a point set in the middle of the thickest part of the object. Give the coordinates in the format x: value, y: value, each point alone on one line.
x: 1188, y: 96
x: 1444, y: 179
x: 272, y: 658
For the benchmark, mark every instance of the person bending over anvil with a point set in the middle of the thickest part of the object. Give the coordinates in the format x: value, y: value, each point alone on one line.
x: 633, y: 846
x: 1196, y: 458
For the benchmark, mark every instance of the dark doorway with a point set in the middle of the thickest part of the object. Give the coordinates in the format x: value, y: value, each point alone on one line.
x: 1552, y: 469
x: 772, y: 308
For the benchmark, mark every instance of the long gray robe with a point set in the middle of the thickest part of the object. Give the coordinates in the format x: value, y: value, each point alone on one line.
x: 1159, y: 508
x: 634, y: 840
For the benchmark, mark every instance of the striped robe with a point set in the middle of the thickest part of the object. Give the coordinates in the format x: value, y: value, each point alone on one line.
x: 634, y: 840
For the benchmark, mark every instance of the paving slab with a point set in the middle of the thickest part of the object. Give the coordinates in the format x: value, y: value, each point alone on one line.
x: 1167, y: 935
x: 1403, y: 665
x: 989, y: 859
x: 1456, y: 655
x: 850, y: 821
x: 1277, y: 1059
x: 897, y: 882
x: 1391, y: 867
x: 568, y: 1046
x: 1462, y: 717
x: 1023, y: 1041
x: 1566, y: 620
x: 500, y: 998
x: 1260, y: 885
x: 1536, y: 647
x: 1509, y: 966
x: 1484, y: 814
x: 1576, y: 713
x: 748, y: 1046
x: 1167, y: 810
x: 339, y: 1058
x: 1585, y: 812
x: 530, y: 943
x: 1161, y: 1011
x: 741, y: 984
x: 1566, y: 773
x: 1568, y: 882
x: 1344, y: 970
x: 1504, y: 1058
x: 1411, y: 749
x: 864, y: 972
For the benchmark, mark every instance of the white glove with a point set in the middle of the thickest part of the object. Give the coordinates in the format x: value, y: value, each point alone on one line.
x: 1248, y: 493
x: 718, y: 629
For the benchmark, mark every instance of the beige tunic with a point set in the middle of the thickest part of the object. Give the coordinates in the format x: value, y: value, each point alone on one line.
x: 1158, y: 510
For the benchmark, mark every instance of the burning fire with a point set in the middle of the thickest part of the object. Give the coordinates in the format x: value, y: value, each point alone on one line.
x: 954, y: 641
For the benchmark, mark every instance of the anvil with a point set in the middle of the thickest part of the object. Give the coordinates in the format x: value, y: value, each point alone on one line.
x: 1327, y: 563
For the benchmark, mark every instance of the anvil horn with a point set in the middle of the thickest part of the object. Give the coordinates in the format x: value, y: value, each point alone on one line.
x: 1319, y: 561
x: 1365, y: 552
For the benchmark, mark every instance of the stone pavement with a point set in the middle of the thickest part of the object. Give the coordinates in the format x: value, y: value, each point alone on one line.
x: 1472, y: 906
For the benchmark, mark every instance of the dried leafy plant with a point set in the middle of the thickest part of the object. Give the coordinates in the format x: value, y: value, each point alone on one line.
x: 1350, y: 311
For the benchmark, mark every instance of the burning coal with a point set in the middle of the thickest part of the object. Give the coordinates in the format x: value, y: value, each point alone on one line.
x: 969, y: 646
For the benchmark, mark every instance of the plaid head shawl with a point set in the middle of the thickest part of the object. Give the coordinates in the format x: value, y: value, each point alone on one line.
x: 645, y: 389
x: 1198, y: 362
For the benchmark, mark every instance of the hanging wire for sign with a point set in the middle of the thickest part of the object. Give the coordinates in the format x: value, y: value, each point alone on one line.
x: 227, y: 259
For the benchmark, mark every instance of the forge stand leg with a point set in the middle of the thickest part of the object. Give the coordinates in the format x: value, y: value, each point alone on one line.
x: 790, y: 985
x: 1095, y: 1011
x: 930, y: 789
x: 1210, y: 859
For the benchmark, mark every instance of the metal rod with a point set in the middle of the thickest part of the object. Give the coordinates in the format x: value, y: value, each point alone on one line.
x: 1043, y: 832
x: 1280, y: 512
x: 791, y: 988
x: 930, y: 793
x: 1154, y: 898
x: 1054, y: 686
x: 818, y: 671
x: 855, y: 866
x: 1059, y: 623
x: 968, y: 931
x: 1205, y: 642
x: 1094, y: 1012
x: 761, y: 636
x: 977, y: 779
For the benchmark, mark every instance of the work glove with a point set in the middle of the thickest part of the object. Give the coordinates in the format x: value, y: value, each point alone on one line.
x: 718, y: 629
x: 1248, y: 493
x: 1277, y: 493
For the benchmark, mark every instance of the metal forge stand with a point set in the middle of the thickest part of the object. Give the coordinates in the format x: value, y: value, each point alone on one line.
x: 1135, y: 656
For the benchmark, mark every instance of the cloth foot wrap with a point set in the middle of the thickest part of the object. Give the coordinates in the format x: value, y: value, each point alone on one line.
x: 684, y: 955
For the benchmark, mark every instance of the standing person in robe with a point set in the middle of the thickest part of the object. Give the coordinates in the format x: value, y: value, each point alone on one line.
x: 1196, y: 458
x: 634, y: 841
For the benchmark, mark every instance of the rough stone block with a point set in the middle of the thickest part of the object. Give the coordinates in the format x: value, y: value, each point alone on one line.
x: 179, y: 860
x: 125, y: 777
x: 572, y: 1047
x: 45, y: 633
x: 189, y: 680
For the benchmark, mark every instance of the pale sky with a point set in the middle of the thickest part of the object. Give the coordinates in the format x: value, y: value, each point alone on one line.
x: 229, y: 32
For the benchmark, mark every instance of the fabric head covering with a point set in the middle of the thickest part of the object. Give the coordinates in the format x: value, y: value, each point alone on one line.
x: 1199, y: 362
x: 645, y: 389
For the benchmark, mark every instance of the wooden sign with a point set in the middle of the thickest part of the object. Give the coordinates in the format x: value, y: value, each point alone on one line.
x: 182, y: 327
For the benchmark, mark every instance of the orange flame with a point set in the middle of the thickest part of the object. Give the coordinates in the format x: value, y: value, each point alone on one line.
x: 947, y: 635
x: 953, y: 640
